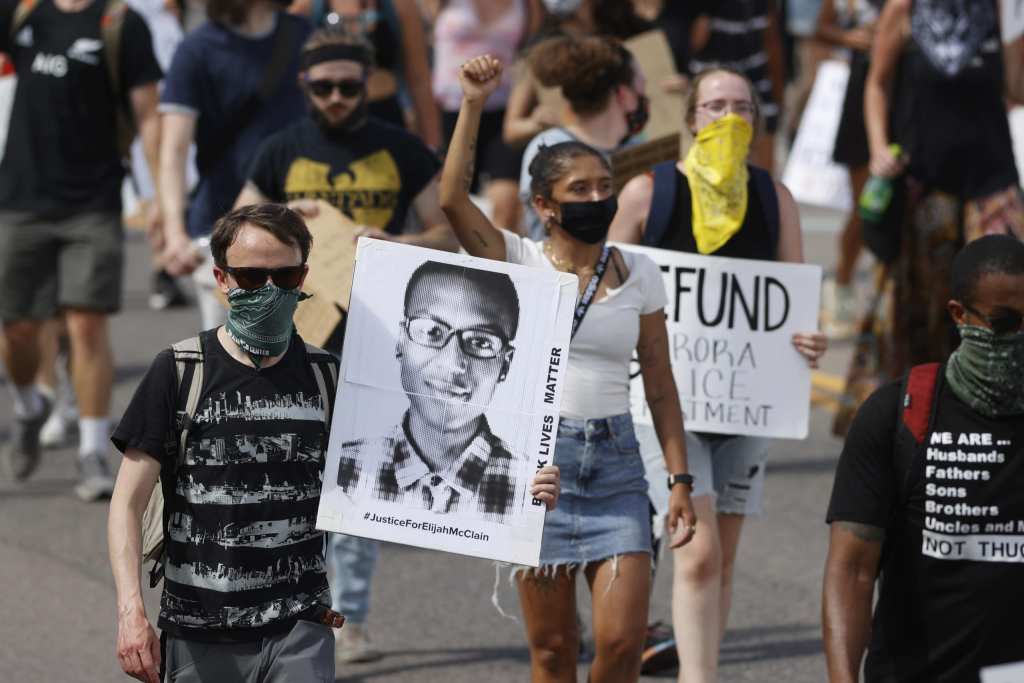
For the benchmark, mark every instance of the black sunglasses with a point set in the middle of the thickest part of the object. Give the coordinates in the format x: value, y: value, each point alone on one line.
x: 1004, y: 322
x: 288, y: 277
x: 348, y: 88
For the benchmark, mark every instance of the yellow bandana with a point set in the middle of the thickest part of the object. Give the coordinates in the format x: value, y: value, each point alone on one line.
x: 716, y: 168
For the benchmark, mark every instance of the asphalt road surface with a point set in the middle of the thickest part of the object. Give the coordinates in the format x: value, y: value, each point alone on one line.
x: 431, y: 612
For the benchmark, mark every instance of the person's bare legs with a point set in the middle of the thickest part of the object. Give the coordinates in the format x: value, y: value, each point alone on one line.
x: 549, y: 610
x: 730, y: 528
x: 850, y: 240
x: 620, y: 592
x: 506, y: 209
x: 21, y: 351
x: 92, y: 362
x: 697, y: 597
x: 49, y: 349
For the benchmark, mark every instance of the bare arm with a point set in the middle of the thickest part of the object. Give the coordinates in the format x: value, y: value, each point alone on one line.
x: 663, y: 401
x: 437, y: 233
x: 634, y: 205
x: 885, y: 56
x: 144, y: 99
x: 830, y: 32
x: 417, y: 73
x: 791, y: 245
x: 525, y: 117
x: 776, y: 59
x: 249, y: 195
x: 138, y: 647
x: 853, y: 555
x: 1013, y: 58
x: 475, y: 233
x: 177, y: 132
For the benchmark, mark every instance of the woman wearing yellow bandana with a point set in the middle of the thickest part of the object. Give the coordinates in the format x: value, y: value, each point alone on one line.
x: 725, y: 207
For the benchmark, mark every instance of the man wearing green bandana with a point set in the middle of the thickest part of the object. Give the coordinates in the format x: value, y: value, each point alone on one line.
x: 929, y: 495
x: 245, y: 588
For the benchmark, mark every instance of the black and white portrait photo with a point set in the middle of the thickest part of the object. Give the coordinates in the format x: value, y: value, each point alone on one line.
x: 445, y: 385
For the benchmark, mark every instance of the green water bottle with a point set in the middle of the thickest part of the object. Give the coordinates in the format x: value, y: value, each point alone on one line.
x: 877, y: 194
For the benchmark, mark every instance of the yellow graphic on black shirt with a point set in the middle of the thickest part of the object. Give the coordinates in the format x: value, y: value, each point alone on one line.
x: 367, y: 192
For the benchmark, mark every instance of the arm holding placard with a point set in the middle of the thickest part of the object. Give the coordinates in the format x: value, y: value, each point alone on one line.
x: 810, y: 345
x: 479, y: 77
x: 663, y: 400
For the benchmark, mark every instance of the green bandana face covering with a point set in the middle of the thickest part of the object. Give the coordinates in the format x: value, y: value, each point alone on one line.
x: 987, y: 371
x: 260, y: 320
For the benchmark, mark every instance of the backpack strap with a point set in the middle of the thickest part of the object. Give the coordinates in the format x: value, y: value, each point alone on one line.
x: 188, y: 362
x: 325, y: 372
x: 764, y: 185
x: 663, y: 203
x: 918, y: 401
x: 111, y: 31
x: 21, y: 14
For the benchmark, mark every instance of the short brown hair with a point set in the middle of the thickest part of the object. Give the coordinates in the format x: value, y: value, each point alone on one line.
x: 277, y: 219
x: 691, y: 95
x: 330, y: 37
x: 587, y: 69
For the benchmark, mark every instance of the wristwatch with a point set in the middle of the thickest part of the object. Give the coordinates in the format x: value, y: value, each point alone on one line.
x: 684, y: 478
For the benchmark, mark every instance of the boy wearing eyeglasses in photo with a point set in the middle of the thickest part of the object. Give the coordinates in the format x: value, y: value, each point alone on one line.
x: 371, y: 171
x: 455, y: 346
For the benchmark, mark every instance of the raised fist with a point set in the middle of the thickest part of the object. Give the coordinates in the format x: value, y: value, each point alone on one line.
x: 480, y: 77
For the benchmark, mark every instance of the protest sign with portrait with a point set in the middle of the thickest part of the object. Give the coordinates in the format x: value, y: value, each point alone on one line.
x: 448, y: 401
x: 730, y: 325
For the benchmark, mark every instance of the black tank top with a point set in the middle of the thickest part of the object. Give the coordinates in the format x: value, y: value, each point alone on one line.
x: 754, y: 240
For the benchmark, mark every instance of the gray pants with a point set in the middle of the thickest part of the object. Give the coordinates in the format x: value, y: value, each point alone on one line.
x: 305, y: 654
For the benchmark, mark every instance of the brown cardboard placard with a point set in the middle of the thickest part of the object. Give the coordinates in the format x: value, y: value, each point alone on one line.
x: 317, y: 318
x: 636, y: 159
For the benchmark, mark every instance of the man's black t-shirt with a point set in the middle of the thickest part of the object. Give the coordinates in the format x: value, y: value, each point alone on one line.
x: 61, y: 154
x: 244, y: 557
x: 371, y: 175
x: 953, y: 561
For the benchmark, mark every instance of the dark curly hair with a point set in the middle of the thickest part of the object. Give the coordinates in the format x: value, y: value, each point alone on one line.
x: 587, y: 69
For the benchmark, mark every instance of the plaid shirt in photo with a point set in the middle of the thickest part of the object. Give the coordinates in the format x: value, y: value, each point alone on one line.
x: 485, y: 481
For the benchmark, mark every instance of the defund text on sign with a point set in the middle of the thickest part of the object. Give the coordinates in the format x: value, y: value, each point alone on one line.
x: 761, y: 302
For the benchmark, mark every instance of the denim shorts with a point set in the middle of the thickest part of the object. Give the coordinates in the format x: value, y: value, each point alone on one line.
x: 602, y: 511
x: 731, y: 467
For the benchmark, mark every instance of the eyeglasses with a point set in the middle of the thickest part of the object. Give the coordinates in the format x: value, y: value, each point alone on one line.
x: 348, y: 88
x: 1004, y: 322
x: 719, y: 107
x: 473, y: 342
x: 288, y: 277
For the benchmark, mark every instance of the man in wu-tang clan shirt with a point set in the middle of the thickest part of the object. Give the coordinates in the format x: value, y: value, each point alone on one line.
x: 941, y: 520
x: 245, y: 586
x: 369, y: 170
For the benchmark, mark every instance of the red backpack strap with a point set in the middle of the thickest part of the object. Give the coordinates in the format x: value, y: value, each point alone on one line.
x: 918, y: 399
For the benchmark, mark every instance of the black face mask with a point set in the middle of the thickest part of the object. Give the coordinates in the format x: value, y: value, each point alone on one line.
x: 638, y: 118
x: 354, y: 121
x: 589, y: 221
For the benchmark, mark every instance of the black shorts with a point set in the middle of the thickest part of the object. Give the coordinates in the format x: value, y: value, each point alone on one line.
x: 50, y: 264
x: 851, y: 148
x: 494, y: 159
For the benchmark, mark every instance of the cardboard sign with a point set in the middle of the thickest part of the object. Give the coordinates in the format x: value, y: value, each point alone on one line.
x: 810, y: 173
x: 448, y: 401
x: 730, y: 324
x: 331, y: 261
x: 637, y: 159
x: 1003, y: 673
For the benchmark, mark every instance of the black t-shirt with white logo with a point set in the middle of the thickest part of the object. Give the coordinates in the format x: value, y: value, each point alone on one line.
x: 952, y: 574
x: 61, y: 154
x: 372, y: 175
x: 244, y: 557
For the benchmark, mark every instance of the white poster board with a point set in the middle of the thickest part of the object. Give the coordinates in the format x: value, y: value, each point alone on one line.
x: 1011, y: 19
x: 730, y: 324
x: 810, y: 174
x: 448, y: 401
x: 1003, y: 673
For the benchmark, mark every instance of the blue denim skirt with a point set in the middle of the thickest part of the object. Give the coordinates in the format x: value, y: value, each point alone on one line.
x: 603, y: 510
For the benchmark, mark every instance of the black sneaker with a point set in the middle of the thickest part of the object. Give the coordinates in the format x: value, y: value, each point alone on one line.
x: 94, y: 479
x: 659, y: 654
x: 21, y: 453
x: 166, y: 292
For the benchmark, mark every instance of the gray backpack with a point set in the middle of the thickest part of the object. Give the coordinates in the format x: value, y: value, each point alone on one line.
x: 188, y: 364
